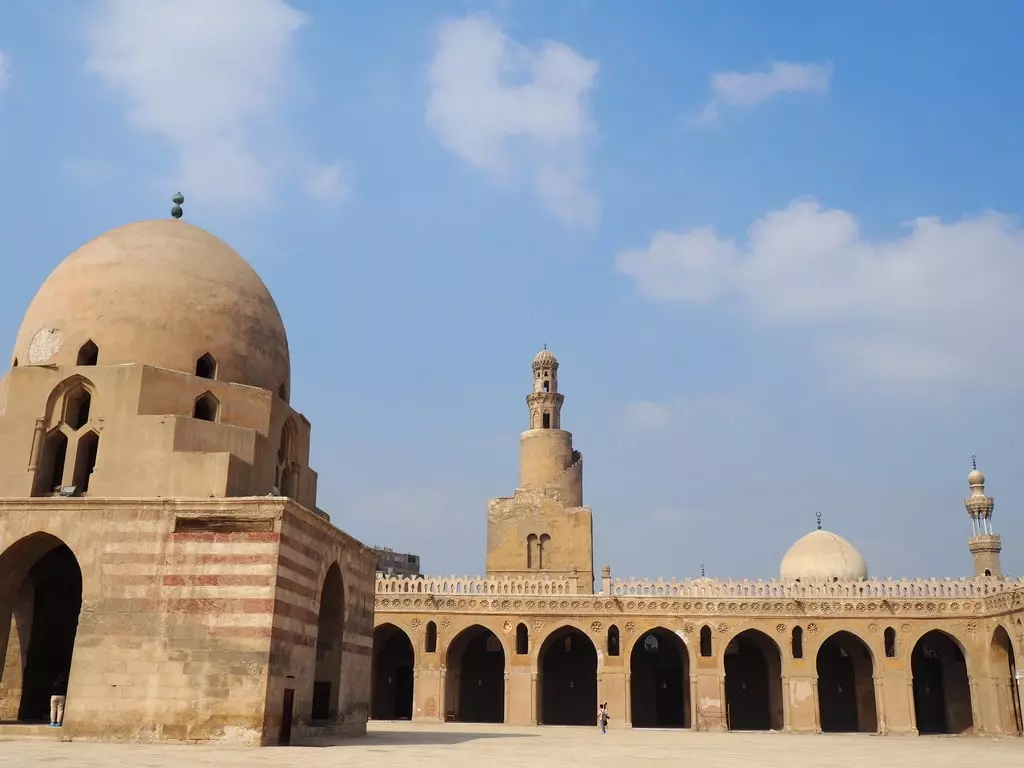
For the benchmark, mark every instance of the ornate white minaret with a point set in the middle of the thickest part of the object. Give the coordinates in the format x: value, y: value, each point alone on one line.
x: 985, y: 545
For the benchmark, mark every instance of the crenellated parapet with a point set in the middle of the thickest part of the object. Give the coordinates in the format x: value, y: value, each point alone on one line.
x: 920, y: 598
x: 474, y: 585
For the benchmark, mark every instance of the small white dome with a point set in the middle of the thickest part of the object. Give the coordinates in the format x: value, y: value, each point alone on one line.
x: 823, y: 556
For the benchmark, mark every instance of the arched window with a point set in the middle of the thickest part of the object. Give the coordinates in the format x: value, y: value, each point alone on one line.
x: 430, y: 638
x: 613, y: 640
x: 531, y: 551
x: 542, y: 548
x: 206, y: 367
x: 88, y: 353
x: 50, y: 474
x: 890, y: 643
x: 77, y: 405
x: 705, y: 641
x: 797, y: 642
x: 206, y: 407
x: 522, y: 639
x: 546, y: 421
x: 547, y: 385
x: 85, y: 460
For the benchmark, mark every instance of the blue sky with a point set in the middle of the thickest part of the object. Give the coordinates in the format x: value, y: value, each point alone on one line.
x: 776, y: 248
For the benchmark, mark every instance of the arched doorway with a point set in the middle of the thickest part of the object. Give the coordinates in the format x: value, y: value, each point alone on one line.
x: 41, y: 590
x: 329, y: 637
x: 1003, y: 666
x: 393, y: 663
x: 568, y: 679
x: 659, y: 681
x: 753, y: 682
x: 942, y: 690
x: 475, y: 678
x: 846, y: 685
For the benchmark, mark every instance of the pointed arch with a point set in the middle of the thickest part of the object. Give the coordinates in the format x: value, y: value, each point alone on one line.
x: 752, y: 663
x: 206, y: 366
x: 659, y: 681
x: 567, y: 679
x: 797, y: 642
x: 475, y: 677
x: 329, y: 645
x: 430, y: 638
x: 392, y: 671
x: 522, y: 639
x: 206, y: 407
x: 52, y: 462
x: 77, y: 406
x: 706, y: 648
x: 55, y: 402
x: 846, y: 685
x: 532, y: 556
x: 86, y: 453
x: 1004, y: 669
x: 543, y: 548
x: 613, y: 640
x: 942, y: 688
x: 889, y: 638
x: 88, y: 354
x: 41, y: 590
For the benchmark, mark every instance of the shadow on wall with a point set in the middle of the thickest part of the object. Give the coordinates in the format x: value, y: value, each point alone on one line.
x: 407, y: 738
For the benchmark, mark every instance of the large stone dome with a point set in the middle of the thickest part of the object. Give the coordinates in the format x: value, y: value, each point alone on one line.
x: 823, y: 556
x: 161, y: 293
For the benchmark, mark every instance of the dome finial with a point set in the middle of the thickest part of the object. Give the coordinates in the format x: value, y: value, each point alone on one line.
x: 818, y: 515
x: 178, y: 199
x: 974, y: 461
x: 702, y: 570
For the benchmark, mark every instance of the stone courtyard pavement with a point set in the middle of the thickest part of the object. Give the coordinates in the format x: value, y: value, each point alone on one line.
x: 458, y: 746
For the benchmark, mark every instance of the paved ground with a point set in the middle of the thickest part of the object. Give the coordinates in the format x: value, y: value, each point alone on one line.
x: 463, y: 746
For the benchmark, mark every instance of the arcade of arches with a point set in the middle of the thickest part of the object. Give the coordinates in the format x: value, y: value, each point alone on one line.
x: 852, y: 679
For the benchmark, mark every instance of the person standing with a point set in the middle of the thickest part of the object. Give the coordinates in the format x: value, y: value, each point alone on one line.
x: 602, y: 717
x: 58, y: 697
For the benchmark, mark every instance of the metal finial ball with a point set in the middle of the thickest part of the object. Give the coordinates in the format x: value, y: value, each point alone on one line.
x: 176, y: 212
x: 974, y: 462
x: 818, y: 515
x: 178, y: 198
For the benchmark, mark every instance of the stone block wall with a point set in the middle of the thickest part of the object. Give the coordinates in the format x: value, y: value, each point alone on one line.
x: 196, y: 613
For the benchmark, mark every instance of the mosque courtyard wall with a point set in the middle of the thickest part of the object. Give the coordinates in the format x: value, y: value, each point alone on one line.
x: 871, y: 636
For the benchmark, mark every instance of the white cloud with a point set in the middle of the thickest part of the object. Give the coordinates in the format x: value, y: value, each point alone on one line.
x: 5, y: 70
x: 939, y: 306
x: 210, y: 78
x: 747, y: 89
x: 514, y: 112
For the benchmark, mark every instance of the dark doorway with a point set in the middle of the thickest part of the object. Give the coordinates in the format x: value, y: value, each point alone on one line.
x: 659, y: 681
x: 329, y: 636
x: 568, y: 679
x: 475, y: 683
x: 942, y: 691
x: 393, y: 663
x: 846, y: 686
x: 56, y: 583
x: 753, y: 682
x: 285, y: 738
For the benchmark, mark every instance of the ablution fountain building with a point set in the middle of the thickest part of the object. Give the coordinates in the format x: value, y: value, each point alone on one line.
x: 161, y: 545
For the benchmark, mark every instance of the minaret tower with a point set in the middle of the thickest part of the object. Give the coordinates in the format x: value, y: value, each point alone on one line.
x: 547, y: 460
x: 985, y: 546
x: 543, y: 530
